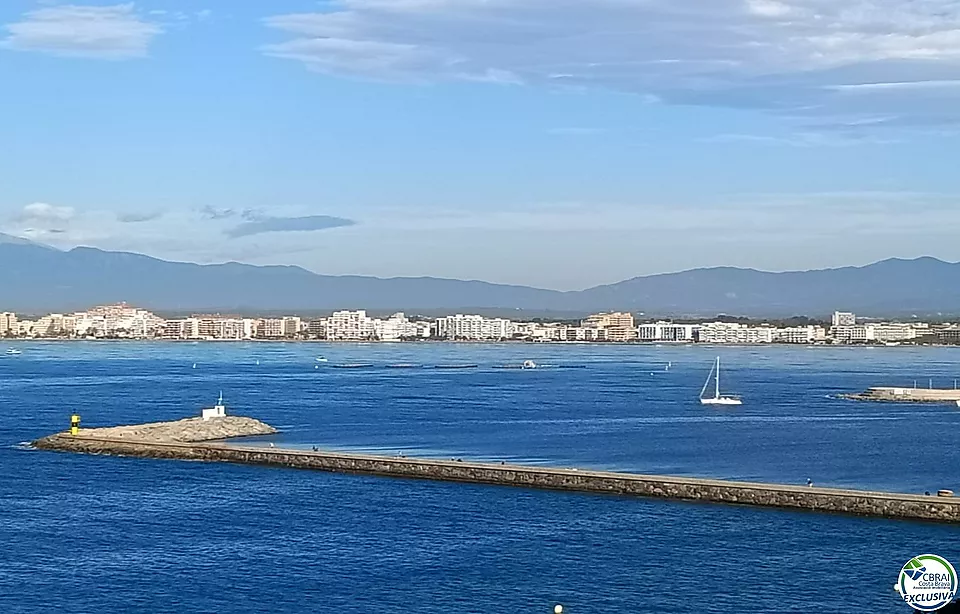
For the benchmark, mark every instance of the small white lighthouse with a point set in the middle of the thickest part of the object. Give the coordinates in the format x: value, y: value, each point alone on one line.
x: 217, y: 411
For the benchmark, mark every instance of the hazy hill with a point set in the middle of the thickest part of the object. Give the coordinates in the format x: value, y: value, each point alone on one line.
x: 39, y: 278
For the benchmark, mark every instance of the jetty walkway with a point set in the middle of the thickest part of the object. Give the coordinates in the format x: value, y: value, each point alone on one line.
x: 944, y: 509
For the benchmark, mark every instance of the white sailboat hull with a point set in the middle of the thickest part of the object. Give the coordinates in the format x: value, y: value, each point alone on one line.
x: 721, y: 401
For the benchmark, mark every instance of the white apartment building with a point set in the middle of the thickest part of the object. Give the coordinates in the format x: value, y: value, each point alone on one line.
x: 115, y: 321
x: 317, y: 329
x: 186, y: 328
x: 350, y: 326
x: 884, y: 332
x: 474, y: 328
x: 799, y: 334
x: 667, y: 331
x: 724, y: 332
x: 8, y: 323
x: 292, y: 326
x: 394, y: 328
x: 225, y: 329
x: 844, y: 318
x: 270, y: 328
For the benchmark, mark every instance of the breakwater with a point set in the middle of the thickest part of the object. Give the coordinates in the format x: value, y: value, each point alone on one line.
x: 906, y: 395
x: 863, y: 503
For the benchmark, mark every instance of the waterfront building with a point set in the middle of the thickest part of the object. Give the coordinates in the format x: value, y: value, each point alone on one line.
x: 186, y: 328
x: 50, y: 325
x: 881, y: 332
x: 25, y: 328
x: 619, y: 326
x: 350, y: 326
x: 799, y: 334
x: 292, y: 326
x: 729, y: 332
x: 844, y: 318
x: 8, y: 324
x: 667, y: 331
x: 220, y: 328
x: 270, y: 328
x: 474, y: 328
x: 317, y: 329
x: 394, y: 328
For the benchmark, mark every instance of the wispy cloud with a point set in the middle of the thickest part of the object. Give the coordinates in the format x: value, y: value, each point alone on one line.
x: 261, y: 225
x: 136, y: 218
x: 791, y: 57
x: 213, y: 213
x: 115, y: 32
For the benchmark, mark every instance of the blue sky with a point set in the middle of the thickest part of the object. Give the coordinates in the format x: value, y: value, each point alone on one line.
x: 553, y: 143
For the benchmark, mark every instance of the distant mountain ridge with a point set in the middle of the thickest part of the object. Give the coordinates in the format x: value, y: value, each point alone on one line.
x: 36, y: 278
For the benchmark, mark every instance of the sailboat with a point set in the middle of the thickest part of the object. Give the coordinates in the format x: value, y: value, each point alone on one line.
x: 716, y: 399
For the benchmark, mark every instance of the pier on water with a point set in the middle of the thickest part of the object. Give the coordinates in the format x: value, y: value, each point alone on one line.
x: 140, y: 442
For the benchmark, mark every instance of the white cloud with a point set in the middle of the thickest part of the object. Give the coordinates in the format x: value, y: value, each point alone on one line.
x: 43, y: 212
x: 104, y: 32
x: 786, y: 55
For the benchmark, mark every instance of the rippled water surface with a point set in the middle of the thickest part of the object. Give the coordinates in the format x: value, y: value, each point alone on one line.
x: 97, y: 534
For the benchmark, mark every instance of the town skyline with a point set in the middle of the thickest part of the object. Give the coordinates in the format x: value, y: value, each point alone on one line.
x: 122, y: 321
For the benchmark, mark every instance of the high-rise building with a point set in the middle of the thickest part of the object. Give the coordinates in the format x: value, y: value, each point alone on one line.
x: 844, y: 318
x: 8, y: 323
x: 619, y: 325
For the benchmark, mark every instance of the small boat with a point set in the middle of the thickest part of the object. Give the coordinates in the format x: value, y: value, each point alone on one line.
x: 717, y: 398
x: 14, y: 352
x: 321, y: 359
x: 529, y: 364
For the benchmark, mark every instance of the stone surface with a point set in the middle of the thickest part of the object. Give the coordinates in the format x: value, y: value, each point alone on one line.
x: 906, y: 395
x: 186, y: 430
x: 864, y: 503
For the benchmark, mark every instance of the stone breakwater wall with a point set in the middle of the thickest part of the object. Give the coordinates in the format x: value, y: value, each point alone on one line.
x: 886, y: 505
x: 906, y: 395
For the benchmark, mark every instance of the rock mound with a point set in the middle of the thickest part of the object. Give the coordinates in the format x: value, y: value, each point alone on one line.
x: 184, y: 431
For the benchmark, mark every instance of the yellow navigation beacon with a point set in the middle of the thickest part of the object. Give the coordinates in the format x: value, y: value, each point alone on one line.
x: 74, y: 424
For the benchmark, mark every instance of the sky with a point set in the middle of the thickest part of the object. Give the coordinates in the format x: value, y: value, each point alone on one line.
x: 554, y: 143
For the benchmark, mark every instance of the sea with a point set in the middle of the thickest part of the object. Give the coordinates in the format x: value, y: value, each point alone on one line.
x: 100, y: 535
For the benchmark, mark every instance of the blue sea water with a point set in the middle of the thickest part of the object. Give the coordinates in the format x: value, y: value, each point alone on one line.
x: 90, y: 534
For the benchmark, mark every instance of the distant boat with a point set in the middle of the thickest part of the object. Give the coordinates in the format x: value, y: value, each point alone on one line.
x: 14, y: 351
x: 717, y: 398
x: 321, y: 359
x: 667, y: 368
x: 529, y: 364
x: 194, y: 366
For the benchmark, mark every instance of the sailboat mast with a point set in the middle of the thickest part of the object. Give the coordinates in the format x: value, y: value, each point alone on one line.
x: 717, y: 394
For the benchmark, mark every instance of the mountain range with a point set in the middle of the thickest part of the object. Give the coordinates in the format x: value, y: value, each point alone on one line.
x: 36, y: 278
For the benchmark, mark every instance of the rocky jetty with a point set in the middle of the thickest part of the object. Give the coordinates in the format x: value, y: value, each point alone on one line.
x: 905, y: 395
x: 941, y: 508
x: 188, y: 430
